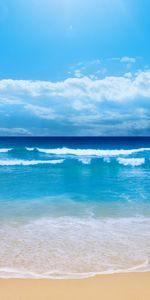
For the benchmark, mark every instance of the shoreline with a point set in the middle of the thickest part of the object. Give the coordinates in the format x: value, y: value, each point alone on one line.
x: 79, y: 276
x: 120, y: 286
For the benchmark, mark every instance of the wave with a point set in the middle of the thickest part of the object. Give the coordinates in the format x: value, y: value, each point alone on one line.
x: 81, y: 153
x: 4, y: 150
x: 8, y: 273
x: 83, y: 160
x: 19, y: 162
x: 131, y: 161
x: 89, y: 152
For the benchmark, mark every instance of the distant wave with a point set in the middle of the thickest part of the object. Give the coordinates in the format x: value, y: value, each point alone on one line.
x: 19, y: 162
x: 131, y: 161
x: 79, y: 152
x: 89, y: 152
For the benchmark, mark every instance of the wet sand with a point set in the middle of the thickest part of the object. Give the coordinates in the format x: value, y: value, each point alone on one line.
x: 130, y: 286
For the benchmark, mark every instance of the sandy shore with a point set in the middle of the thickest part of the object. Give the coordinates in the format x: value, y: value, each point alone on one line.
x: 135, y: 286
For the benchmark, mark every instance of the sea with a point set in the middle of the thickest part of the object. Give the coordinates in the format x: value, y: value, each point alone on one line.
x: 74, y: 207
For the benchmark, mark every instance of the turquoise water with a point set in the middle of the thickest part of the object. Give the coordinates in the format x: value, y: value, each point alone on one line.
x: 74, y: 207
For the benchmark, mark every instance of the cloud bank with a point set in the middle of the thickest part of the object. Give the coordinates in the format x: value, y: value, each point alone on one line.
x: 113, y: 105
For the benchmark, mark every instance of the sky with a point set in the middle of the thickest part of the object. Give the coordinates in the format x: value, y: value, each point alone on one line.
x: 74, y: 68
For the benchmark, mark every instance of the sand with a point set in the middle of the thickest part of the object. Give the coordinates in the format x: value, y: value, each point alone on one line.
x: 131, y: 286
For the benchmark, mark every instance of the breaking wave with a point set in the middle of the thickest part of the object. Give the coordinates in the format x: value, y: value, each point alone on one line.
x: 5, y: 150
x: 131, y: 161
x: 134, y: 162
x: 19, y: 162
x: 89, y: 152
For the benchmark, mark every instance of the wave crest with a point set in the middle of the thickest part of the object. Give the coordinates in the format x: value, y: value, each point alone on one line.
x: 131, y: 161
x: 19, y: 162
x: 5, y: 150
x: 89, y: 152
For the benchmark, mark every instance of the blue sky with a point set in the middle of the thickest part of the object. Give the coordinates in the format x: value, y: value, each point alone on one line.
x: 74, y: 67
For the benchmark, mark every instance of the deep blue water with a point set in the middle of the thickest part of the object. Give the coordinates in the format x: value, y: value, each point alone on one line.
x: 65, y: 201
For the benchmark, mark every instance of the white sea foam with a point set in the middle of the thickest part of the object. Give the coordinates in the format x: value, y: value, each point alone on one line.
x: 4, y: 150
x: 7, y: 273
x: 85, y: 160
x: 71, y: 247
x: 30, y: 149
x: 131, y: 161
x: 90, y: 152
x: 21, y: 162
x: 107, y: 159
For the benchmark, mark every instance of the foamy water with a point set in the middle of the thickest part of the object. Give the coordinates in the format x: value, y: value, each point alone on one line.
x: 74, y: 247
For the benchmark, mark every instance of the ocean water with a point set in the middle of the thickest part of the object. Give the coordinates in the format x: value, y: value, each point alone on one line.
x: 74, y: 207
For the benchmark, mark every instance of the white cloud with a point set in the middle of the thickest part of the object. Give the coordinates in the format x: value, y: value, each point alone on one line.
x: 110, y: 88
x: 40, y: 111
x: 4, y: 100
x: 87, y: 104
x: 78, y: 73
x: 85, y: 68
x: 14, y: 131
x: 126, y: 59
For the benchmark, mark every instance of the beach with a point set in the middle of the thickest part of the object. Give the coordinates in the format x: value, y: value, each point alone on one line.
x: 129, y: 286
